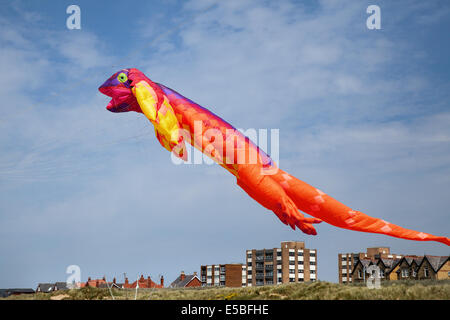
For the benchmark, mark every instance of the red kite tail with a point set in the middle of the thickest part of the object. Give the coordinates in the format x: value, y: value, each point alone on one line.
x: 320, y: 205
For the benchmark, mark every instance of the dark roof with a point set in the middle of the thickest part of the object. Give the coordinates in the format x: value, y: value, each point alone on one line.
x: 45, y: 287
x: 365, y: 262
x: 437, y: 262
x: 390, y: 264
x: 61, y: 286
x: 408, y: 260
x: 386, y: 262
x: 7, y: 292
x: 178, y: 283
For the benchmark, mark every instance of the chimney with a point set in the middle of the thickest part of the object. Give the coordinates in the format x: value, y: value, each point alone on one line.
x: 114, y: 280
x: 162, y: 281
x: 126, y: 280
x: 182, y: 276
x: 89, y: 278
x: 195, y: 273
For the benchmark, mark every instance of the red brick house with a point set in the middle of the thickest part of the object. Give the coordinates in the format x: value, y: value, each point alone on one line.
x: 144, y: 283
x: 96, y: 283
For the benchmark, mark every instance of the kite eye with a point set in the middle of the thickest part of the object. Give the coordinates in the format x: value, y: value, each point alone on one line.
x: 122, y: 77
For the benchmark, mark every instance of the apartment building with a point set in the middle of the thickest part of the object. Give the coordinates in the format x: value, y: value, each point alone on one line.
x: 292, y: 262
x: 346, y: 261
x: 228, y: 275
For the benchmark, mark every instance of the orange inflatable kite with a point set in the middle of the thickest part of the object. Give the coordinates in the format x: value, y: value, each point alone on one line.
x: 178, y: 120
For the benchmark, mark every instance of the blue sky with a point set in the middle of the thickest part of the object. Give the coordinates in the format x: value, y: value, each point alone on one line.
x: 363, y: 115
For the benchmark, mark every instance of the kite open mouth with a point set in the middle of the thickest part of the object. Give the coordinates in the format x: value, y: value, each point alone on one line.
x: 120, y: 98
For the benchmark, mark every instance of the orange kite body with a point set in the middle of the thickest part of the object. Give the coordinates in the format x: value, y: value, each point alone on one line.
x: 178, y: 120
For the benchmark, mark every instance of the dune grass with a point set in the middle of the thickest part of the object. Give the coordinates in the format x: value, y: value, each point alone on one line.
x: 320, y: 290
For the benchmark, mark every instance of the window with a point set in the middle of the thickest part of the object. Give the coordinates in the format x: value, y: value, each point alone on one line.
x: 312, y: 254
x: 291, y: 263
x: 300, y: 271
x: 278, y: 253
x: 359, y: 274
x: 313, y: 263
x: 291, y: 254
x: 249, y: 264
x: 425, y: 271
x: 300, y: 262
x: 292, y: 271
x: 291, y: 280
x: 259, y: 255
x: 312, y: 271
x: 344, y: 258
x: 405, y: 272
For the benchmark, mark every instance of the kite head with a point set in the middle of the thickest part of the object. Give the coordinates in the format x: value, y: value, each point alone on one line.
x: 119, y: 88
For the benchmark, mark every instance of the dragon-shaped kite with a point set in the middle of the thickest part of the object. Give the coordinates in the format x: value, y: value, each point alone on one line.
x: 178, y: 120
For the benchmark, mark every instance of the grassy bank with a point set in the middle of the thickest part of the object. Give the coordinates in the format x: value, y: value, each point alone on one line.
x: 320, y: 290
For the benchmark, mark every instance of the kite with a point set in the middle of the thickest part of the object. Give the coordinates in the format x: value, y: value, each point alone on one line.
x: 178, y: 120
